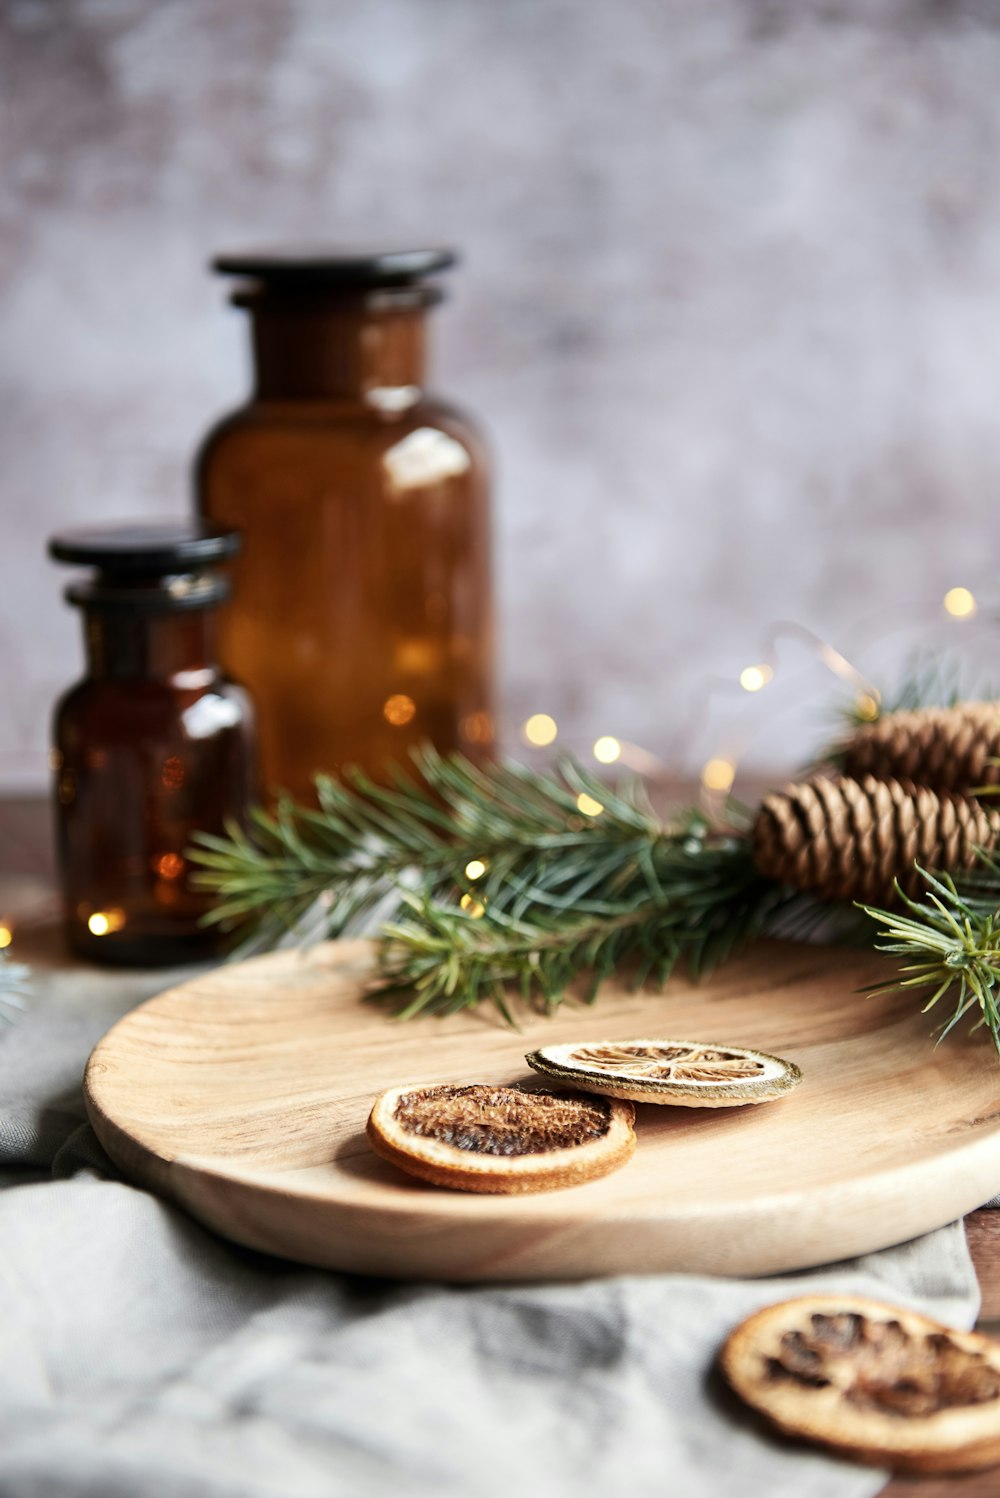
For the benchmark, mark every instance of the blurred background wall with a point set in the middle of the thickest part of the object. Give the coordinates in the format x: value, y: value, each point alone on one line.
x: 730, y: 302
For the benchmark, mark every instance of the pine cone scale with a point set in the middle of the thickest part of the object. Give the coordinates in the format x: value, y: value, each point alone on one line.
x: 848, y: 839
x: 947, y: 748
x: 840, y: 840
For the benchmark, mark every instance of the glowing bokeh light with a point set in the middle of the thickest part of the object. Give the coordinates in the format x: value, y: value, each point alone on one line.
x: 475, y: 868
x: 607, y: 749
x: 753, y: 678
x: 959, y: 603
x: 103, y: 922
x: 6, y: 937
x: 588, y: 805
x: 540, y: 730
x: 718, y: 775
x: 398, y: 710
x: 472, y: 906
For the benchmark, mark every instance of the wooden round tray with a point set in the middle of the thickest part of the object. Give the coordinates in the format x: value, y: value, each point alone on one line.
x: 243, y: 1095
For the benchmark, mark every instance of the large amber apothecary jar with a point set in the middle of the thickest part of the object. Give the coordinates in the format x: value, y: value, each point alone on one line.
x: 361, y: 618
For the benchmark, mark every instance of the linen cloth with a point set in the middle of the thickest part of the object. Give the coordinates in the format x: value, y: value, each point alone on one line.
x: 139, y: 1354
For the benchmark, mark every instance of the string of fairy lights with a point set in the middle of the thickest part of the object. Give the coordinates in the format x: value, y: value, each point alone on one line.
x: 718, y: 772
x: 540, y: 731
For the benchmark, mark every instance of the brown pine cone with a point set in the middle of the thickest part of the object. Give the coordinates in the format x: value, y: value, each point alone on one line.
x: 948, y: 748
x: 849, y: 839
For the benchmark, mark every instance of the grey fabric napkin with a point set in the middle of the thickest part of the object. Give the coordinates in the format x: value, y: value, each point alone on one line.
x: 143, y: 1355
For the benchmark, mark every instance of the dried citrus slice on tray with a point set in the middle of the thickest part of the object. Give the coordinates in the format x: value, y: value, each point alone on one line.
x: 483, y: 1137
x: 695, y: 1074
x: 875, y: 1382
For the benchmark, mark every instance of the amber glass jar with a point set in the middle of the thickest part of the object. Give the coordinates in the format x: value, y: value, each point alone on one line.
x: 362, y: 617
x: 152, y: 746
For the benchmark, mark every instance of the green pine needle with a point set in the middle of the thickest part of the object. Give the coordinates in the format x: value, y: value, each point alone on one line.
x: 564, y: 895
x: 701, y: 900
x: 951, y: 939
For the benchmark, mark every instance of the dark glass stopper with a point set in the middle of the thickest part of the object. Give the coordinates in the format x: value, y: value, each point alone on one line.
x: 160, y: 565
x: 334, y: 268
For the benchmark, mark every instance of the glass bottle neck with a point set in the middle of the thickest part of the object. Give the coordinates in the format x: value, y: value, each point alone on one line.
x: 178, y: 648
x: 316, y: 350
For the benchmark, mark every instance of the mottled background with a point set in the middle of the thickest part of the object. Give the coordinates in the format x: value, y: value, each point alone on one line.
x: 729, y: 307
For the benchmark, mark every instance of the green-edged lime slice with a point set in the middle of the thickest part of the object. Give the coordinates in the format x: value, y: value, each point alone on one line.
x: 689, y: 1073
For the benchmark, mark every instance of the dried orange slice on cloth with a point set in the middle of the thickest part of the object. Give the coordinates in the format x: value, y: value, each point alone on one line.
x: 695, y: 1074
x: 872, y: 1381
x: 482, y: 1137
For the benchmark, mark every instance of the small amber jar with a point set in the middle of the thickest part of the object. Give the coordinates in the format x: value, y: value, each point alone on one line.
x: 152, y: 746
x: 362, y: 615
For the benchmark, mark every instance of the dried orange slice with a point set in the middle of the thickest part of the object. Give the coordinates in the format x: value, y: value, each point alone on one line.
x: 483, y: 1137
x: 872, y: 1381
x: 692, y: 1073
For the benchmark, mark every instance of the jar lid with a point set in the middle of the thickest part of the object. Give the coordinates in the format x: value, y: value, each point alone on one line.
x: 150, y: 566
x: 335, y: 268
x: 145, y: 548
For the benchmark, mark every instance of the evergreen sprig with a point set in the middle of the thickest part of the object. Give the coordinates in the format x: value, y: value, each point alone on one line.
x: 564, y: 892
x: 952, y: 940
x: 692, y: 896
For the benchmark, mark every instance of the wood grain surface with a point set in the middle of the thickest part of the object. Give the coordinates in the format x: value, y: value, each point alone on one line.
x: 243, y: 1095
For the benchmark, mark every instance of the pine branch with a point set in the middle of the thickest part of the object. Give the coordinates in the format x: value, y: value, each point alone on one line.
x: 951, y: 939
x: 366, y: 839
x: 483, y: 877
x: 700, y: 900
x: 13, y: 987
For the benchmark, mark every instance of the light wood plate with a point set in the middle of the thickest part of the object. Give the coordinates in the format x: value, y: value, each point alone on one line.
x: 243, y: 1096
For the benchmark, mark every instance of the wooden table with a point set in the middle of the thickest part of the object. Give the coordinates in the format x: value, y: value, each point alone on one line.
x: 26, y: 853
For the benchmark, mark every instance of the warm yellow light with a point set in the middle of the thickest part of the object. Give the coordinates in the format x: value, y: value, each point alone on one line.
x: 475, y: 869
x: 718, y: 775
x: 6, y: 937
x: 588, y: 805
x: 399, y: 710
x: 416, y: 657
x: 607, y: 749
x: 752, y: 678
x: 472, y: 906
x: 867, y: 707
x: 960, y: 603
x: 104, y: 921
x: 540, y: 730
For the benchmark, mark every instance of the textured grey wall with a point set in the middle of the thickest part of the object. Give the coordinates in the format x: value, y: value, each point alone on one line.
x: 730, y: 305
